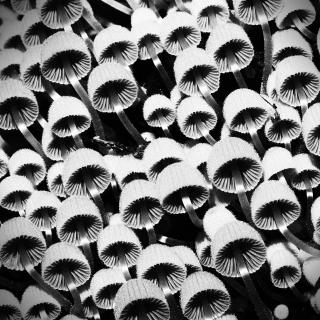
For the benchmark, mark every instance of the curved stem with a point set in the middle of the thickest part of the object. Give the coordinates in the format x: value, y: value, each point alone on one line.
x: 118, y: 6
x: 189, y: 208
x: 205, y: 132
x: 281, y: 224
x: 302, y: 28
x: 240, y: 189
x: 25, y: 261
x: 164, y: 127
x: 261, y: 310
x: 54, y: 95
x: 148, y: 225
x: 73, y: 80
x: 75, y: 133
x: 303, y: 100
x: 123, y: 264
x: 85, y: 244
x: 235, y: 69
x: 43, y: 315
x: 91, y: 20
x: 47, y: 228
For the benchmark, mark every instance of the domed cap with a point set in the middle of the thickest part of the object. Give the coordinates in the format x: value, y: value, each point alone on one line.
x: 21, y: 6
x: 64, y: 46
x: 10, y: 60
x: 189, y: 258
x: 268, y: 195
x: 9, y: 304
x: 224, y: 154
x: 20, y: 234
x: 54, y: 179
x: 4, y: 159
x: 177, y: 179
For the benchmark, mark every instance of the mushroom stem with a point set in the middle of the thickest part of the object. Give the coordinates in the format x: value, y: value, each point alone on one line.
x: 190, y: 210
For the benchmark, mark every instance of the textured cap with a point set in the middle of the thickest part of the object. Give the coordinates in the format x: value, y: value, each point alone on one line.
x: 297, y: 68
x: 115, y: 36
x: 177, y: 179
x: 201, y: 9
x: 51, y: 16
x: 139, y: 199
x: 283, y: 263
x: 10, y: 60
x: 193, y: 60
x: 159, y: 106
x: 14, y: 192
x: 198, y: 155
x: 60, y: 256
x: 215, y: 218
x: 276, y: 160
x: 28, y: 163
x: 303, y: 9
x: 147, y: 31
x: 14, y: 94
x: 86, y: 161
x: 305, y: 167
x: 268, y: 195
x: 140, y: 293
x: 30, y: 69
x: 9, y: 304
x: 34, y: 300
x: 229, y: 36
x: 287, y: 43
x: 104, y: 286
x: 247, y: 12
x: 64, y: 46
x: 115, y: 239
x: 175, y: 23
x: 237, y: 235
x: 241, y: 101
x: 54, y: 147
x: 54, y: 179
x: 33, y: 31
x: 224, y: 154
x: 41, y: 209
x: 189, y: 258
x: 193, y: 113
x: 75, y: 211
x: 10, y: 34
x: 203, y: 286
x: 63, y: 110
x: 142, y: 15
x: 311, y: 128
x: 157, y: 256
x: 20, y: 234
x: 111, y: 76
x: 289, y: 122
x: 160, y: 153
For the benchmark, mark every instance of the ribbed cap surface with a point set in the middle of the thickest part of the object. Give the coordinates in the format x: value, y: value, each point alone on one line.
x: 139, y: 204
x: 269, y: 194
x: 237, y: 235
x: 75, y: 211
x: 14, y: 192
x: 115, y: 239
x: 20, y: 232
x: 104, y: 285
x: 14, y: 94
x: 248, y: 13
x: 200, y: 9
x: 158, y: 106
x: 276, y: 160
x: 301, y: 69
x: 111, y: 76
x: 177, y: 179
x: 51, y: 17
x: 137, y: 293
x: 233, y: 150
x: 68, y: 108
x: 189, y: 258
x: 54, y: 179
x: 194, y: 112
x: 34, y: 300
x: 311, y: 128
x: 80, y: 161
x: 10, y: 60
x: 287, y: 43
x: 62, y: 255
x: 193, y: 60
x: 203, y: 285
x: 25, y: 162
x: 160, y: 153
x: 183, y: 23
x: 41, y: 209
x: 303, y: 9
x: 241, y: 101
x: 234, y: 38
x: 305, y: 167
x: 160, y: 256
x: 64, y: 45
